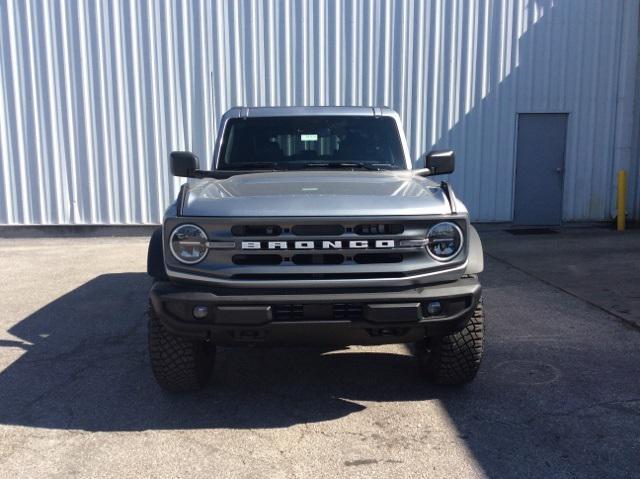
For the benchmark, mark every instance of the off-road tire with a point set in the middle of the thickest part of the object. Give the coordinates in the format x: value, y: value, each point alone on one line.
x: 178, y: 364
x: 454, y: 359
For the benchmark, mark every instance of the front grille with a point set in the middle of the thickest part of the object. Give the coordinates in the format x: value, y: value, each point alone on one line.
x: 317, y: 230
x: 288, y: 312
x: 377, y: 258
x: 310, y: 251
x: 347, y: 311
x: 256, y: 259
x: 303, y: 276
x: 295, y: 312
x: 256, y: 230
x: 309, y: 259
x: 384, y: 229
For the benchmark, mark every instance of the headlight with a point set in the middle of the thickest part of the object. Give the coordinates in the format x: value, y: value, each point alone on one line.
x: 444, y: 241
x: 188, y: 244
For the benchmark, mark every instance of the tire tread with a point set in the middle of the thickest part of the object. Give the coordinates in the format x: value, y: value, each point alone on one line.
x: 455, y: 359
x: 178, y: 364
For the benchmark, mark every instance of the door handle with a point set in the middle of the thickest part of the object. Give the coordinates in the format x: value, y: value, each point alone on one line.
x: 559, y: 170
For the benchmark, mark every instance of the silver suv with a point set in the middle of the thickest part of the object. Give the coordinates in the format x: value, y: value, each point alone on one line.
x: 313, y: 228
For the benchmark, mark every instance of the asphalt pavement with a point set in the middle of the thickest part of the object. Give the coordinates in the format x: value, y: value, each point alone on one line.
x: 558, y: 394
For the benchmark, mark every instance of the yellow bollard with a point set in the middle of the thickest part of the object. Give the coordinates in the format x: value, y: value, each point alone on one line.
x: 622, y: 197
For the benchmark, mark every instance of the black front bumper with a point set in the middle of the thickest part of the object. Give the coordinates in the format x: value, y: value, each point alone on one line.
x: 337, y: 318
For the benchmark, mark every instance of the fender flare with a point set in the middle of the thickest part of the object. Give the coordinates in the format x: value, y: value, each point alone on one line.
x: 475, y: 262
x: 155, y: 257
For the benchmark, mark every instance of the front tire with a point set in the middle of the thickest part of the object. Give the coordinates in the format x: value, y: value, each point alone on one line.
x: 454, y: 359
x: 178, y: 364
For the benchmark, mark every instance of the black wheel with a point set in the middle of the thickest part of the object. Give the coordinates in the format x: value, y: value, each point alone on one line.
x: 178, y: 364
x: 455, y: 358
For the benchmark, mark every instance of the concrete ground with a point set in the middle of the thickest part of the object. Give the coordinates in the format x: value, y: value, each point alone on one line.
x: 558, y: 394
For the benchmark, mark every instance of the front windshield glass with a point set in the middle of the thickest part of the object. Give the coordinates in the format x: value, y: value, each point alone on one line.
x: 307, y: 142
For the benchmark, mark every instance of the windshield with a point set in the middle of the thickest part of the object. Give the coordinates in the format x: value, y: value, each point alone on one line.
x: 312, y: 142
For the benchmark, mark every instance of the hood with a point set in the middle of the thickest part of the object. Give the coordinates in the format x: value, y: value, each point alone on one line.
x: 316, y: 193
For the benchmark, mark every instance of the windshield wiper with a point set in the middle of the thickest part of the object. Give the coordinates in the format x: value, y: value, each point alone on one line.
x: 267, y: 165
x: 346, y: 164
x: 254, y: 165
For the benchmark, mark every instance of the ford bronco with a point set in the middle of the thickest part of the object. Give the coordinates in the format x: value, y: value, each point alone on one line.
x: 313, y: 228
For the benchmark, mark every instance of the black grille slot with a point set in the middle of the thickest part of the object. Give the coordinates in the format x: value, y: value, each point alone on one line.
x: 377, y: 258
x: 256, y: 230
x: 308, y: 259
x: 344, y: 311
x: 287, y: 312
x: 297, y: 276
x: 376, y: 229
x: 317, y: 230
x: 257, y: 259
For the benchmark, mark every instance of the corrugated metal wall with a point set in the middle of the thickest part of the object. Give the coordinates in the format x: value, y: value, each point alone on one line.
x: 94, y: 94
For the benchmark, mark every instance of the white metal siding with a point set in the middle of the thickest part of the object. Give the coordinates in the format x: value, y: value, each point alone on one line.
x: 94, y: 94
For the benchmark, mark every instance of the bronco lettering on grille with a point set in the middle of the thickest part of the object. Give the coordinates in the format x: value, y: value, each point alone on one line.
x: 308, y: 244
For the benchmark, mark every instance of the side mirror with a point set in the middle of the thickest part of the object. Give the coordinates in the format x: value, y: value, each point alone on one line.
x: 440, y: 162
x: 183, y: 163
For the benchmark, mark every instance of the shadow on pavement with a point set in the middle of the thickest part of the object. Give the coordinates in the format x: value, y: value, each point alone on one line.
x: 538, y: 406
x: 87, y: 368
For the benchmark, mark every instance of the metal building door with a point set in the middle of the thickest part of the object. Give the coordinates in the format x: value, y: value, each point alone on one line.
x: 540, y: 150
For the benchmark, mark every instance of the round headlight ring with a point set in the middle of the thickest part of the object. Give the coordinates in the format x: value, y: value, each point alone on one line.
x: 456, y: 249
x: 194, y: 234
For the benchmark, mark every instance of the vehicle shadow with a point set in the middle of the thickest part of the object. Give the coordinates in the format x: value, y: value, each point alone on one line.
x: 85, y: 366
x: 82, y: 364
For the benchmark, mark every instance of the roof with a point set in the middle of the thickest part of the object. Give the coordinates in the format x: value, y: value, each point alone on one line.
x: 271, y: 111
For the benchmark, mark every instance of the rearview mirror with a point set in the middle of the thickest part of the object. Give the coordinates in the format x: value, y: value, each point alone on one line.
x: 183, y: 163
x: 440, y: 162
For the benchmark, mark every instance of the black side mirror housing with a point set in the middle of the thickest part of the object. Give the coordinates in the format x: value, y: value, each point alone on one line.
x: 184, y: 163
x: 440, y: 162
